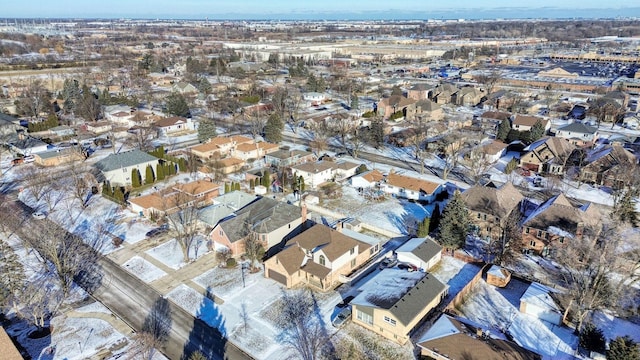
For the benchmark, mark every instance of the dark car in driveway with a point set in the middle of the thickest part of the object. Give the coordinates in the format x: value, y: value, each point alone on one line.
x: 157, y: 231
x: 407, y: 266
x: 387, y: 263
x: 345, y: 302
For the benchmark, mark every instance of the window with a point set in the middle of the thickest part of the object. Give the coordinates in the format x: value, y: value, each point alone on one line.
x: 264, y: 237
x: 353, y: 250
x: 546, y: 236
x: 539, y: 233
x: 532, y: 243
x: 488, y: 228
x: 321, y: 260
x: 289, y: 226
x: 221, y: 232
x: 485, y: 216
x: 479, y: 215
x: 561, y: 239
x: 526, y: 230
x: 389, y: 320
x: 353, y: 263
x: 364, y: 317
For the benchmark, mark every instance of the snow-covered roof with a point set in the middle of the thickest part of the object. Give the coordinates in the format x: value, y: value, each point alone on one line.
x: 496, y: 271
x: 538, y: 295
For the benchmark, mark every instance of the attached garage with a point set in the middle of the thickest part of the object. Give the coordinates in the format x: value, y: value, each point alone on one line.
x: 277, y: 277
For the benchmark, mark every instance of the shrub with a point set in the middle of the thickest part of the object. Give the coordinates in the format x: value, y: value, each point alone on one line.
x: 231, y: 262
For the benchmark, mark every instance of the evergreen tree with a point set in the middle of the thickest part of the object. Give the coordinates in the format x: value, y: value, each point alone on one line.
x: 160, y: 172
x: 537, y: 131
x: 454, y: 225
x: 266, y: 179
x: 135, y: 178
x: 107, y: 190
x: 206, y: 130
x: 12, y: 279
x: 503, y: 130
x: 355, y: 102
x: 301, y: 182
x: 182, y: 164
x: 273, y: 129
x: 118, y: 195
x: 376, y: 134
x: 197, y: 356
x: 423, y: 227
x: 592, y: 338
x: 434, y: 221
x: 624, y: 209
x: 177, y: 105
x: 623, y: 348
x: 148, y: 176
x: 237, y: 186
x: 362, y: 168
x: 227, y: 188
x: 204, y: 86
x: 251, y: 184
x: 511, y: 165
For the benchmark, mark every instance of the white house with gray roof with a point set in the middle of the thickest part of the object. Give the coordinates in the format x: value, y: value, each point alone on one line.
x: 117, y: 168
x: 421, y: 252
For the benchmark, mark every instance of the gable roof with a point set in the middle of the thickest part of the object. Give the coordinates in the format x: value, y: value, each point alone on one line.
x: 558, y: 147
x: 498, y: 202
x: 558, y: 215
x: 423, y: 248
x: 287, y: 154
x: 527, y: 120
x: 124, y: 159
x: 169, y: 121
x: 428, y: 105
x: 609, y: 156
x: 494, y: 147
x: 578, y: 128
x: 496, y: 115
x: 263, y: 216
x: 372, y: 176
x: 314, y: 167
x: 457, y: 338
x: 410, y: 183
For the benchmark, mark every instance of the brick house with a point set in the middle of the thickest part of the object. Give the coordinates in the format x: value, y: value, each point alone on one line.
x: 578, y: 134
x: 396, y: 103
x: 272, y: 221
x: 555, y: 222
x: 317, y: 257
x: 547, y: 155
x: 490, y: 207
x: 610, y: 166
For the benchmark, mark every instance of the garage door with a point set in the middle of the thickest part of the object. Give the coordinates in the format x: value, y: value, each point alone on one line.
x: 278, y: 277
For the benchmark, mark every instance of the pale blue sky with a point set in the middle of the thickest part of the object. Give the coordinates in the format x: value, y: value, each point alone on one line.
x: 312, y: 8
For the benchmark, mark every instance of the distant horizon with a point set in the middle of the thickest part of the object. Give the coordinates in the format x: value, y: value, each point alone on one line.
x: 333, y: 10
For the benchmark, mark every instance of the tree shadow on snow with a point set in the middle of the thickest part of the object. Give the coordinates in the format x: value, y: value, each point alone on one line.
x: 208, y: 335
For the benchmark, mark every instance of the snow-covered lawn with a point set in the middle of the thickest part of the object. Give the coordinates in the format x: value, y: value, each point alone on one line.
x: 199, y: 306
x: 613, y: 327
x: 94, y: 307
x: 143, y: 269
x: 224, y: 282
x: 498, y: 310
x: 455, y: 273
x: 170, y: 253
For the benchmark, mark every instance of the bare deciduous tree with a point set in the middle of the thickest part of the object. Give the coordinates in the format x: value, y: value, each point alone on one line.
x: 253, y: 247
x: 184, y: 222
x: 300, y: 328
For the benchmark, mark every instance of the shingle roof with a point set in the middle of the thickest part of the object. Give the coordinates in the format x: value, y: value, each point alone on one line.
x: 497, y: 202
x: 527, y: 120
x: 9, y: 350
x: 410, y: 183
x: 169, y: 121
x: 372, y: 176
x: 314, y: 167
x: 333, y: 243
x: 263, y: 216
x: 423, y: 248
x: 413, y: 301
x: 124, y: 159
x: 286, y: 154
x: 558, y: 212
x: 579, y: 128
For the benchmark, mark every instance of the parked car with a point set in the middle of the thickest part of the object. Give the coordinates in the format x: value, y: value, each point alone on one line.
x: 29, y: 158
x: 387, y: 263
x: 345, y: 302
x: 342, y: 317
x: 38, y: 215
x: 407, y: 266
x: 157, y: 231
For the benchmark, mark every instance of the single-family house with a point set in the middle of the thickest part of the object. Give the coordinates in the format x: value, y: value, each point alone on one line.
x: 631, y: 121
x: 610, y: 165
x: 578, y: 134
x: 184, y: 88
x: 224, y: 206
x: 525, y: 122
x: 9, y: 126
x: 457, y: 338
x: 117, y: 168
x: 442, y: 93
x: 272, y: 221
x: 197, y: 193
x: 394, y: 302
x: 344, y: 169
x: 254, y: 151
x: 410, y: 188
x: 228, y: 165
x: 428, y: 110
x: 547, y: 155
x: 556, y: 222
x: 366, y: 180
x: 282, y: 158
x: 493, y: 150
x: 219, y: 146
x: 21, y: 143
x: 62, y: 130
x: 396, y: 103
x: 315, y: 173
x: 314, y: 98
x: 489, y: 208
x: 424, y: 253
x: 317, y: 257
x: 58, y: 156
x: 120, y: 114
x: 536, y: 301
x: 173, y: 125
x: 98, y: 127
x: 467, y: 96
x: 419, y: 92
